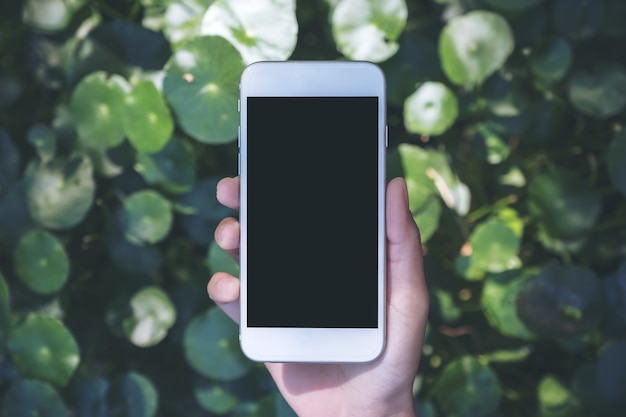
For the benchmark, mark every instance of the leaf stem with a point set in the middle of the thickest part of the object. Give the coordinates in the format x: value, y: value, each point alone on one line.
x: 486, y: 210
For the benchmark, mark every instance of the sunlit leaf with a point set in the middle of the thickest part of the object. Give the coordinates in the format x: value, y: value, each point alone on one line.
x: 490, y: 144
x: 43, y: 348
x: 556, y: 400
x: 427, y: 216
x: 498, y: 300
x: 202, y: 85
x: 147, y: 121
x: 153, y: 314
x: 600, y: 91
x: 41, y: 262
x: 50, y: 15
x: 173, y: 167
x: 562, y: 302
x: 262, y: 30
x: 467, y: 388
x: 27, y: 398
x: 552, y: 60
x: 183, y: 19
x: 616, y: 157
x: 473, y: 46
x: 431, y: 109
x: 368, y: 29
x: 60, y: 193
x: 133, y: 395
x: 494, y: 246
x: 579, y: 19
x: 146, y: 217
x: 98, y: 106
x: 212, y: 346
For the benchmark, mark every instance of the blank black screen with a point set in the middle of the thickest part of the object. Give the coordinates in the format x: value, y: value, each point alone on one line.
x: 312, y: 212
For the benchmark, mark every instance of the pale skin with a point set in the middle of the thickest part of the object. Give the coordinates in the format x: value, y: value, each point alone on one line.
x: 379, y: 388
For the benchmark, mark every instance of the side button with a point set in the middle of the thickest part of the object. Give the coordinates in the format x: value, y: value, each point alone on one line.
x: 238, y: 164
x: 238, y: 105
x: 386, y: 136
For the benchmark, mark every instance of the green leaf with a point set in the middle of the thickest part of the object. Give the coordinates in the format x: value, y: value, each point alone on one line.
x: 89, y: 396
x: 600, y: 91
x: 427, y: 215
x: 5, y: 310
x: 490, y: 143
x: 202, y: 85
x: 43, y: 140
x: 498, y: 300
x: 215, y: 398
x: 261, y: 30
x: 616, y: 155
x: 173, y: 167
x: 448, y: 310
x: 368, y: 30
x: 146, y: 217
x: 153, y: 314
x: 61, y: 192
x: 513, y: 5
x: 467, y: 388
x: 183, y: 19
x: 41, y: 262
x: 218, y: 260
x: 43, y: 348
x: 50, y: 15
x: 556, y: 400
x: 473, y: 46
x: 212, y: 346
x: 28, y: 398
x: 133, y: 395
x: 563, y: 203
x: 147, y: 120
x: 98, y: 106
x: 562, y: 302
x: 579, y: 19
x: 431, y: 109
x: 552, y: 60
x: 610, y: 375
x: 127, y: 255
x: 494, y: 246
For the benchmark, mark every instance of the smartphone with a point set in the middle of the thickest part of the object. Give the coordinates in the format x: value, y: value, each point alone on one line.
x: 312, y: 167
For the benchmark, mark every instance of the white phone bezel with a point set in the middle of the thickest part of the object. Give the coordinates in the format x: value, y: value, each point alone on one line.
x: 309, y: 79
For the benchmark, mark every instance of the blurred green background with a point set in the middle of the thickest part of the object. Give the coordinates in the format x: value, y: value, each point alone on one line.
x: 117, y: 118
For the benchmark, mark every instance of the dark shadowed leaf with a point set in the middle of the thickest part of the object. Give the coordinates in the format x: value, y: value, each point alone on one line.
x: 28, y: 398
x: 9, y: 162
x: 261, y: 30
x: 218, y: 398
x: 133, y: 395
x: 513, y: 5
x: 202, y: 85
x: 473, y: 46
x: 173, y: 167
x: 43, y: 348
x: 212, y: 346
x: 61, y: 192
x: 89, y: 394
x: 129, y: 256
x: 600, y: 91
x: 5, y: 308
x: 610, y: 374
x: 368, y: 29
x: 152, y: 315
x: 616, y: 161
x: 552, y: 60
x: 467, y: 388
x: 579, y: 19
x: 431, y: 109
x: 43, y: 139
x: 41, y: 262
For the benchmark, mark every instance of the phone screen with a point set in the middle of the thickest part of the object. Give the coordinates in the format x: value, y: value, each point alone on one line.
x: 312, y: 225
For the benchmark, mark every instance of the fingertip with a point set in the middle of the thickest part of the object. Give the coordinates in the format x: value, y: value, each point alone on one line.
x: 227, y: 192
x: 223, y: 288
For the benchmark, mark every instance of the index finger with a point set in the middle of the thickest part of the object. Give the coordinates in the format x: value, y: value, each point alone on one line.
x: 228, y: 192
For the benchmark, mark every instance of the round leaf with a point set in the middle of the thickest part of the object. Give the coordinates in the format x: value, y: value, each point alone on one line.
x: 555, y: 400
x: 50, y: 15
x: 153, y: 314
x: 146, y: 217
x: 43, y: 140
x: 41, y: 262
x: 212, y: 346
x: 183, y: 19
x: 147, y: 120
x: 202, y: 85
x: 427, y: 216
x: 616, y: 155
x: 28, y: 398
x: 599, y: 92
x: 43, y: 348
x: 473, y: 46
x: 98, y: 106
x: 133, y: 395
x: 494, y: 246
x: 579, y: 19
x: 498, y: 301
x: 89, y: 396
x: 562, y: 302
x: 173, y: 167
x: 551, y: 61
x: 215, y: 398
x: 467, y: 388
x: 60, y: 193
x: 262, y: 30
x: 563, y: 203
x: 431, y: 109
x: 218, y: 260
x: 368, y: 29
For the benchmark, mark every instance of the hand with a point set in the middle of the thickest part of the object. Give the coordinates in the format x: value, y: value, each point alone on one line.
x: 379, y: 388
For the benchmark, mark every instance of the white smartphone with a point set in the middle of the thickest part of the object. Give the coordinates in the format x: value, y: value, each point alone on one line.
x: 312, y: 166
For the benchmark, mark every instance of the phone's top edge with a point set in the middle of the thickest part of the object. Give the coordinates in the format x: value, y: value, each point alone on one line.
x: 311, y: 64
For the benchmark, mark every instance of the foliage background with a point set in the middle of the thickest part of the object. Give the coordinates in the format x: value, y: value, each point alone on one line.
x: 117, y: 117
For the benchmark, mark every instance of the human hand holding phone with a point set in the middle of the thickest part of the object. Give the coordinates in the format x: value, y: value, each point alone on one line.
x: 382, y: 387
